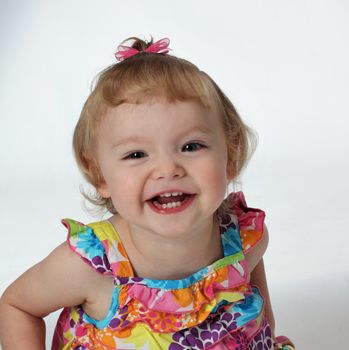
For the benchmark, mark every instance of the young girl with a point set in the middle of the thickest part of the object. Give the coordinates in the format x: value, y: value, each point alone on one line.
x: 178, y: 265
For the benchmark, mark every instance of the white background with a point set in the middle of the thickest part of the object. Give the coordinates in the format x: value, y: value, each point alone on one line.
x: 284, y: 64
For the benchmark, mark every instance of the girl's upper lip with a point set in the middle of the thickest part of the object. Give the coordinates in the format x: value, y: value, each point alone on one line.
x: 176, y: 190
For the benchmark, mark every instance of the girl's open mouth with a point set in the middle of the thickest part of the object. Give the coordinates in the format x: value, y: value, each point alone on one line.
x: 170, y: 203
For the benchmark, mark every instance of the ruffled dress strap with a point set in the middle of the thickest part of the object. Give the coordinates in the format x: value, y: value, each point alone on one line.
x: 99, y: 245
x: 250, y: 221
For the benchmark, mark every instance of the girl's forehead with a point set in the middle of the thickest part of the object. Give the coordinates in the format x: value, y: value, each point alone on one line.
x: 156, y: 116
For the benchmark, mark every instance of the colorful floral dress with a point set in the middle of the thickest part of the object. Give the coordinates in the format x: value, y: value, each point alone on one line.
x: 215, y: 308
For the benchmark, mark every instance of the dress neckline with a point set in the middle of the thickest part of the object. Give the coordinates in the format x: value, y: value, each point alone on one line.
x: 231, y: 246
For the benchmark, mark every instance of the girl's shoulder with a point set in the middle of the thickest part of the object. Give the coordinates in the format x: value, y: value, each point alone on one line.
x: 251, y: 229
x: 99, y: 245
x: 250, y: 221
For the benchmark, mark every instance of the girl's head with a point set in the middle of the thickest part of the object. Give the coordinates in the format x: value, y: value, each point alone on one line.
x: 145, y: 77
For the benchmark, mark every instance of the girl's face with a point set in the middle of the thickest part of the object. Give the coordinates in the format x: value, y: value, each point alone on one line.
x: 164, y: 165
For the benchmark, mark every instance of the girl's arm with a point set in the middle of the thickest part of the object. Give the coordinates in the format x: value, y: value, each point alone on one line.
x: 258, y: 278
x: 62, y: 279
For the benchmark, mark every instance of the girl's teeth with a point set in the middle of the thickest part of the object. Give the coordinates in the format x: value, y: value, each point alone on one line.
x: 171, y: 205
x: 168, y: 194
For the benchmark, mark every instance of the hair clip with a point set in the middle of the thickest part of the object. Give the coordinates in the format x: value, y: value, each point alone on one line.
x: 160, y: 46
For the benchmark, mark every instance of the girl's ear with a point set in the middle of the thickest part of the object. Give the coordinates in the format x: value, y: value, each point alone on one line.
x: 103, y: 190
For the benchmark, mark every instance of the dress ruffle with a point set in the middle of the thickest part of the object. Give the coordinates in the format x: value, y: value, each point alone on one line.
x: 251, y: 220
x: 181, y: 308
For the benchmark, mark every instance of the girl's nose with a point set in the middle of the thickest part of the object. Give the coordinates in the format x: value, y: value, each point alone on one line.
x: 168, y: 169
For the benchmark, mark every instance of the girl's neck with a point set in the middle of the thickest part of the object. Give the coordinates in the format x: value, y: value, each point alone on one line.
x: 156, y: 257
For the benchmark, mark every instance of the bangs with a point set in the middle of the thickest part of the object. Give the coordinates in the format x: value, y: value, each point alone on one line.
x: 154, y: 75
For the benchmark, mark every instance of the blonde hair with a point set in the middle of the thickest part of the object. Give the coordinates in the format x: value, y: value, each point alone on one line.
x: 148, y: 75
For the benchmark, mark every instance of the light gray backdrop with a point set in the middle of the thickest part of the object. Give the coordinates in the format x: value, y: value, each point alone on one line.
x: 285, y: 66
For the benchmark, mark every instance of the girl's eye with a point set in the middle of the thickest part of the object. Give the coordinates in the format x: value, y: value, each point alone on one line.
x: 135, y: 155
x: 192, y: 147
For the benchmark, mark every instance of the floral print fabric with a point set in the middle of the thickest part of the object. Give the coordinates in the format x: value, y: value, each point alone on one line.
x: 215, y: 308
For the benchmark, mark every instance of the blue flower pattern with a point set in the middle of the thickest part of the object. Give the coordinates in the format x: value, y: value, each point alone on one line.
x: 90, y: 244
x: 231, y: 241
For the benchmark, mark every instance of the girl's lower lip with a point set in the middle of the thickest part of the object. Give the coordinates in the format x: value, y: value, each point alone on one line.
x: 186, y: 203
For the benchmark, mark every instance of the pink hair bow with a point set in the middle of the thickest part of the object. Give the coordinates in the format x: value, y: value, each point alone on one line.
x: 160, y: 46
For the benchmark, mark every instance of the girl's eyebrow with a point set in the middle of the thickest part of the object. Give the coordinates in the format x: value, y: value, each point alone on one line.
x: 131, y: 139
x: 201, y: 129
